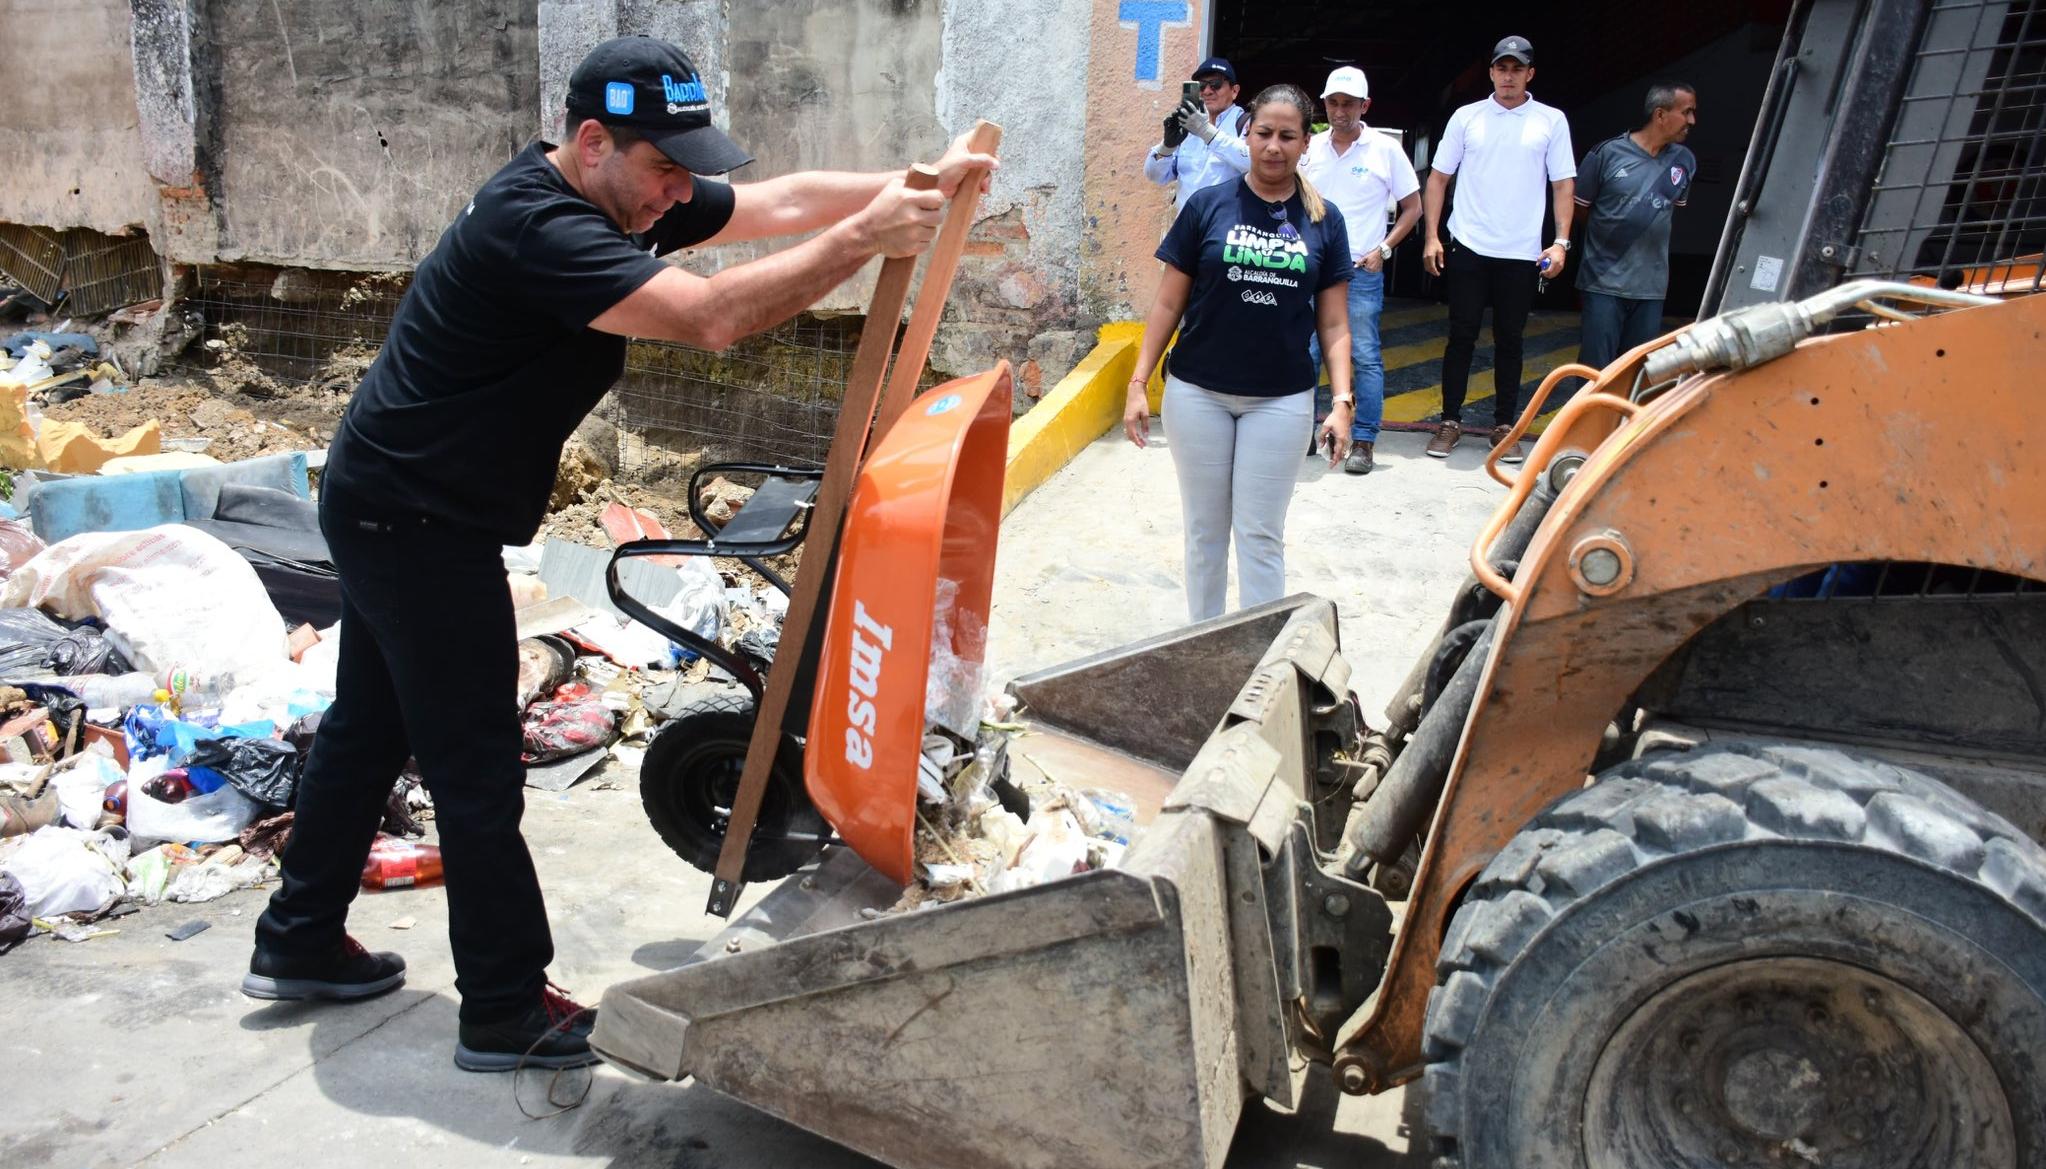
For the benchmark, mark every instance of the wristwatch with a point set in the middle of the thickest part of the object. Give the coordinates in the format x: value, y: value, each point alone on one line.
x: 1384, y: 250
x: 1562, y: 242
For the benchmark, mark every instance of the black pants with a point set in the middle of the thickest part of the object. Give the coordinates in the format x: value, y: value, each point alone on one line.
x: 428, y: 668
x: 1476, y: 281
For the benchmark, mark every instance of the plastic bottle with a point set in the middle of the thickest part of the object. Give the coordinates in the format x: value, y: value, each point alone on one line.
x: 400, y: 864
x: 172, y: 787
x: 113, y: 691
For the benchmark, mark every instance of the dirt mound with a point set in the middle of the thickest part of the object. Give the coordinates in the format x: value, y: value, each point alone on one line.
x: 195, y: 419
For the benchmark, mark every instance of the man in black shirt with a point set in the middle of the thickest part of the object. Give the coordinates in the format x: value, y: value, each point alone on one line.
x: 514, y: 326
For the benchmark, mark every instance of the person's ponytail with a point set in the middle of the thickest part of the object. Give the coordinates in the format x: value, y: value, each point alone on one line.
x: 1311, y: 198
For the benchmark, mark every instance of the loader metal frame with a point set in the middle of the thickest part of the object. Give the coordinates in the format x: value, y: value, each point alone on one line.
x: 1861, y: 447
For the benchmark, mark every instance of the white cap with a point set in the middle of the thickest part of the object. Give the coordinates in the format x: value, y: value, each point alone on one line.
x: 1349, y: 79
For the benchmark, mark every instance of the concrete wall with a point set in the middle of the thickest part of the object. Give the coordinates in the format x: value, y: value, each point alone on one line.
x: 348, y: 136
x: 69, y: 146
x: 1142, y: 50
x: 307, y: 133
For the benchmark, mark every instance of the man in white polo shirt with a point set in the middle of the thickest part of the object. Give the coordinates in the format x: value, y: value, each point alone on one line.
x: 1362, y: 172
x: 1504, y: 152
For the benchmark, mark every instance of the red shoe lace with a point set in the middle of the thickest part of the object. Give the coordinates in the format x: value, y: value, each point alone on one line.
x: 353, y: 948
x: 561, y: 1010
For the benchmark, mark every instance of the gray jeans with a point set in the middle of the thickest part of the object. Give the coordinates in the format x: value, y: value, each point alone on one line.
x: 1237, y: 458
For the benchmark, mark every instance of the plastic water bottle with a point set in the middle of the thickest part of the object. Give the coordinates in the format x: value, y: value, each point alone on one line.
x: 113, y: 691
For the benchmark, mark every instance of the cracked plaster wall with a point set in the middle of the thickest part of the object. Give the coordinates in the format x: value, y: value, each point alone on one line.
x: 70, y: 139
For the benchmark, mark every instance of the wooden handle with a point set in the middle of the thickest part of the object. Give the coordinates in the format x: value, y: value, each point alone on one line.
x: 834, y: 491
x: 937, y: 285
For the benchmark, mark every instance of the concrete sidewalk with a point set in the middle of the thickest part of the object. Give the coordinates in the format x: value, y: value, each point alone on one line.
x: 134, y: 1050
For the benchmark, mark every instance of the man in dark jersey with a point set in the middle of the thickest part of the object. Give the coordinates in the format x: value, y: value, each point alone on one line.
x: 1629, y: 187
x: 514, y: 326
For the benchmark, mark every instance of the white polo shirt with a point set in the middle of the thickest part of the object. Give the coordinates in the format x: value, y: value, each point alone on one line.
x: 1504, y: 161
x: 1361, y: 181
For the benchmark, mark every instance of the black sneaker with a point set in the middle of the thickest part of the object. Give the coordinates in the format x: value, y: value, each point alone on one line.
x: 555, y: 1033
x: 347, y: 972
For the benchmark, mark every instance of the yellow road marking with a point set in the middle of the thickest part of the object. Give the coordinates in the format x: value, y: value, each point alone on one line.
x: 1401, y: 318
x: 1401, y: 356
x: 1426, y: 403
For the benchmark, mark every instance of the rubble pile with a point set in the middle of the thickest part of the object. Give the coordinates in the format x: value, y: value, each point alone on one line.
x: 169, y: 618
x: 981, y: 829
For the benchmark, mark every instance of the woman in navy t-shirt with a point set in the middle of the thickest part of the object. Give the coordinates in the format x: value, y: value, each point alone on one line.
x: 1252, y: 269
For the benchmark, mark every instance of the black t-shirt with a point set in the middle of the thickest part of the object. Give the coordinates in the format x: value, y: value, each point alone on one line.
x: 1252, y: 308
x: 490, y: 363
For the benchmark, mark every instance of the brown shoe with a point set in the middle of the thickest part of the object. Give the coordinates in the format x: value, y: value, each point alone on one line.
x: 1446, y: 436
x: 1359, y: 462
x: 1512, y: 452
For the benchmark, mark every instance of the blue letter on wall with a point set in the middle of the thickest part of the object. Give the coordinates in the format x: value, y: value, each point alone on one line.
x: 1149, y: 18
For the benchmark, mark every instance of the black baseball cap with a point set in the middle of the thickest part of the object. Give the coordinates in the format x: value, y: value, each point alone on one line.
x: 651, y: 87
x: 1516, y: 48
x: 1216, y: 65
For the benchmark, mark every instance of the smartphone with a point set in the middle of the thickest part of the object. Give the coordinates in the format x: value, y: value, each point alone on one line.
x: 1189, y: 91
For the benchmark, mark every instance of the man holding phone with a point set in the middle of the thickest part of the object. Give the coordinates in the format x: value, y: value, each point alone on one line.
x: 1203, y: 143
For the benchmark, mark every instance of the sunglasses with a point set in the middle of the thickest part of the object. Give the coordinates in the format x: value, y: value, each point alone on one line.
x: 1286, y: 230
x: 1208, y: 83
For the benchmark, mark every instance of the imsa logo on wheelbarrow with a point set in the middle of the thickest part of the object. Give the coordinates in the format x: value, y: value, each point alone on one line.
x: 864, y: 676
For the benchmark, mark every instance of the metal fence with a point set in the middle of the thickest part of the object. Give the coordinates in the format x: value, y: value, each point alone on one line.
x: 771, y: 398
x: 1960, y: 198
x: 290, y: 326
x: 78, y: 271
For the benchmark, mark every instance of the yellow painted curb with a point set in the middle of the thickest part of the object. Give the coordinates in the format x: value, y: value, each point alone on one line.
x: 1081, y: 408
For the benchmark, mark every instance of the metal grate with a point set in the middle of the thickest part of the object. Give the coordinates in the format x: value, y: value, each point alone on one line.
x: 770, y: 398
x: 105, y: 272
x: 291, y: 325
x: 80, y: 272
x: 1900, y: 580
x: 1960, y: 199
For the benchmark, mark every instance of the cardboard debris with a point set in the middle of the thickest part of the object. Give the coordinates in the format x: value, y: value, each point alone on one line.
x: 73, y: 448
x: 17, y: 437
x: 162, y: 461
x: 554, y: 615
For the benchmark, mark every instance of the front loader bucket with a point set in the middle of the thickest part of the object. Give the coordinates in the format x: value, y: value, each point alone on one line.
x: 1116, y: 1019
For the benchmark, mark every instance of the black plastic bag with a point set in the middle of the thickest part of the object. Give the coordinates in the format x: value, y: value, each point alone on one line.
x: 14, y: 919
x: 65, y: 708
x: 265, y: 770
x: 26, y: 636
x: 30, y: 640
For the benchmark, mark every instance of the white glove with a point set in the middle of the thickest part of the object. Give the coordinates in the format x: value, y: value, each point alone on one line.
x: 1194, y: 117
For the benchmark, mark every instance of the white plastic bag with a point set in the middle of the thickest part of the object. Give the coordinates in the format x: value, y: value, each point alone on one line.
x: 207, y: 818
x: 699, y: 606
x: 952, y: 697
x: 82, y: 782
x: 171, y: 596
x: 61, y: 871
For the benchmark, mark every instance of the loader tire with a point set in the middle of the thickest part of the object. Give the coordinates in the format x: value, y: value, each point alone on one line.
x: 690, y: 776
x: 1764, y: 954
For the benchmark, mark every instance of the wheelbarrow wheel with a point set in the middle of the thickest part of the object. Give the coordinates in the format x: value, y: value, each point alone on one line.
x: 690, y: 778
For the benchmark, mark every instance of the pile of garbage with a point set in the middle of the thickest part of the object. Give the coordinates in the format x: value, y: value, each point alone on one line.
x: 157, y: 707
x: 981, y: 829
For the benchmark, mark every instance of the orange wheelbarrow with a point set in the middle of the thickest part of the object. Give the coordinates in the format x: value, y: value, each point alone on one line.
x: 925, y: 508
